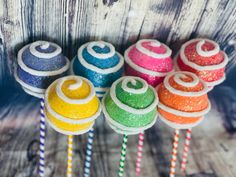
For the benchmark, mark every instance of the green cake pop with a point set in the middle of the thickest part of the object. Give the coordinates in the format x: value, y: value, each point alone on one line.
x: 130, y: 105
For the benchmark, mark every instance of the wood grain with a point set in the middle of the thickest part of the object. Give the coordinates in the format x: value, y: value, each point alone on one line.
x: 71, y: 23
x: 211, y: 153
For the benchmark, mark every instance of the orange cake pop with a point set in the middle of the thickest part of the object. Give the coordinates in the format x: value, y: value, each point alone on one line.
x: 183, y: 100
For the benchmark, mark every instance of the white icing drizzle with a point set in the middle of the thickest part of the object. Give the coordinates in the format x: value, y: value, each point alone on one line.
x: 177, y: 78
x: 208, y: 83
x: 95, y: 68
x: 101, y: 89
x: 128, y: 108
x: 44, y: 45
x: 196, y: 66
x: 153, y: 43
x: 59, y: 93
x: 183, y: 113
x: 141, y: 69
x: 100, y: 44
x: 69, y: 132
x: 40, y: 73
x: 180, y: 126
x: 207, y: 53
x: 119, y: 128
x: 78, y: 84
x: 31, y: 90
x: 72, y: 121
x: 35, y: 94
x: 100, y: 95
x: 133, y: 81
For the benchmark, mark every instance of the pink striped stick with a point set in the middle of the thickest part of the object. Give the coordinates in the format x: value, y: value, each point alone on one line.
x: 186, y: 150
x: 174, y: 153
x: 139, y: 153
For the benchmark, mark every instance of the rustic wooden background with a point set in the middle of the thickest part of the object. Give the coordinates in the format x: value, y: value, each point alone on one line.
x: 70, y: 23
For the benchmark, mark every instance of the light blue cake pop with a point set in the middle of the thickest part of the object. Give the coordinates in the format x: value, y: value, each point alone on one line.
x: 100, y: 63
x: 38, y: 65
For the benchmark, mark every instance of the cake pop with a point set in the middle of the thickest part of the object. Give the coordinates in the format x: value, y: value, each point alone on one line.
x: 71, y: 107
x: 204, y: 58
x: 183, y: 104
x: 148, y: 59
x: 124, y: 111
x: 100, y: 63
x: 38, y: 65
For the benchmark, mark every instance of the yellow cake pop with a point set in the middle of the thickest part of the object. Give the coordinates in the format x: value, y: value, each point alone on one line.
x: 71, y: 105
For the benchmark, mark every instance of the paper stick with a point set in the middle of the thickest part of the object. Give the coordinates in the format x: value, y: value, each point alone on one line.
x: 89, y: 152
x: 42, y: 140
x: 69, y: 156
x: 139, y: 153
x: 186, y: 150
x: 123, y: 154
x: 174, y: 153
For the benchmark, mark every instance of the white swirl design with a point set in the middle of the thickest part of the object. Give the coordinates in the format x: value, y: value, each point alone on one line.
x: 75, y: 86
x: 62, y: 96
x: 44, y: 45
x: 210, y: 84
x: 199, y: 50
x: 153, y: 43
x: 180, y: 126
x: 178, y: 76
x: 207, y: 53
x: 133, y: 81
x: 101, y: 44
x: 141, y: 69
x: 36, y: 72
x: 38, y: 92
x: 119, y: 128
x: 80, y: 132
x: 126, y: 107
x: 100, y: 56
x: 185, y: 114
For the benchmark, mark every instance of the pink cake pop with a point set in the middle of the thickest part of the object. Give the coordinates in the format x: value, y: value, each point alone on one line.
x: 148, y: 59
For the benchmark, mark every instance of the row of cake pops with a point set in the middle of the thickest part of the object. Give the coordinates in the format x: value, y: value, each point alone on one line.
x: 71, y: 105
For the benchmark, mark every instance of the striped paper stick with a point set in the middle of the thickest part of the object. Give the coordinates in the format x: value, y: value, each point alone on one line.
x: 174, y: 153
x: 123, y: 154
x: 186, y: 150
x: 42, y: 140
x: 89, y: 152
x: 139, y: 153
x: 69, y: 156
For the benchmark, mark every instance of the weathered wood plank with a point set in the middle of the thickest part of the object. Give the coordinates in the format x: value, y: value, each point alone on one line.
x: 211, y: 147
x: 73, y: 22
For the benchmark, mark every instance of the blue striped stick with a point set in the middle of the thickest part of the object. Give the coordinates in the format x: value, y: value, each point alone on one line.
x: 89, y: 152
x: 42, y: 140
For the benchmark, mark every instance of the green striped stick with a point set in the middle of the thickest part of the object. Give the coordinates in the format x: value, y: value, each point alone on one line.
x: 123, y: 154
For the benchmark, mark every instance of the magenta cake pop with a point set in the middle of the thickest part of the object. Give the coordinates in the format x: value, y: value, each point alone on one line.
x: 150, y: 60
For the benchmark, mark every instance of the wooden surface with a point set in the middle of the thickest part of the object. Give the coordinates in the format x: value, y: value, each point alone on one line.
x: 212, y: 148
x: 70, y: 23
x: 121, y: 22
